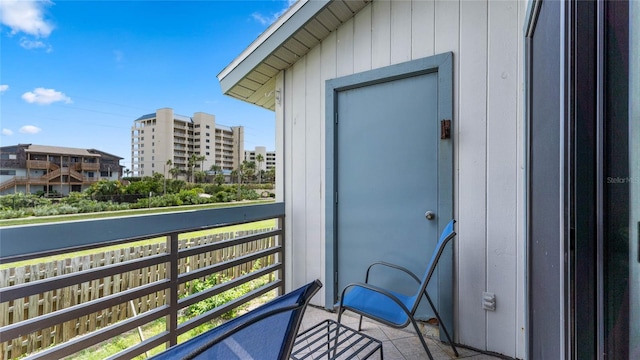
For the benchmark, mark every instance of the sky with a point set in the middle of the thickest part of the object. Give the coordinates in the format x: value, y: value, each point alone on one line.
x: 78, y: 73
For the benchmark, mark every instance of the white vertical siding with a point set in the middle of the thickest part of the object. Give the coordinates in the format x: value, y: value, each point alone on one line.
x: 486, y: 39
x: 313, y: 167
x: 502, y: 168
x: 471, y: 144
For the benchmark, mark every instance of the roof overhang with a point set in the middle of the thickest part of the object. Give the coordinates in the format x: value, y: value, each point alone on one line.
x: 251, y: 76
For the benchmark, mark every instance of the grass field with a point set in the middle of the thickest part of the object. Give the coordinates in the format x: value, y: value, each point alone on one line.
x: 243, y: 227
x: 108, y: 214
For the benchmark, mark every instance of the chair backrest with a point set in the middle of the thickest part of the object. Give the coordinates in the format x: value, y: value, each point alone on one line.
x: 267, y: 332
x: 447, y: 234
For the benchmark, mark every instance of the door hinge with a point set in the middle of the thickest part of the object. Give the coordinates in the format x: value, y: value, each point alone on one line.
x: 336, y: 197
x: 445, y: 129
x: 336, y: 118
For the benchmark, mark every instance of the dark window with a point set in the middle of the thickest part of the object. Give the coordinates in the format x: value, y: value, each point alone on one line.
x: 7, y: 172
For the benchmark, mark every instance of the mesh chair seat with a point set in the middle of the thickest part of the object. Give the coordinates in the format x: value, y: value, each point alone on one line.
x: 268, y: 332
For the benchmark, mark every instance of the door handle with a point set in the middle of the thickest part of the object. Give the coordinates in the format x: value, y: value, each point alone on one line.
x: 430, y: 215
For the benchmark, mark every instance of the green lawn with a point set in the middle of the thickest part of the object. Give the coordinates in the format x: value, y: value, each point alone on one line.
x: 243, y: 227
x: 108, y: 214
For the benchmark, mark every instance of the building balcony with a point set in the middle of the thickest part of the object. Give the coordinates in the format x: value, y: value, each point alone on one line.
x: 86, y: 166
x: 84, y: 304
x: 41, y: 164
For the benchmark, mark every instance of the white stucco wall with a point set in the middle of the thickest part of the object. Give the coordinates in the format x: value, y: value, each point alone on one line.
x: 486, y: 38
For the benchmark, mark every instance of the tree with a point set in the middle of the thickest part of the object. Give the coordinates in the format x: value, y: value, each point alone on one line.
x: 175, y: 172
x: 202, y: 159
x: 200, y: 176
x: 169, y: 164
x: 191, y: 164
x: 105, y: 188
x: 127, y: 172
x: 270, y: 175
x: 259, y: 159
x: 248, y: 169
x: 216, y: 169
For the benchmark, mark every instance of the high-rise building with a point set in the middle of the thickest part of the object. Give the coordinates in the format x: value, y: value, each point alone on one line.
x: 159, y: 137
x: 268, y: 158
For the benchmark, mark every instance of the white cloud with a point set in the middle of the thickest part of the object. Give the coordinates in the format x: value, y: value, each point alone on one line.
x: 44, y: 96
x: 34, y: 44
x: 7, y: 132
x: 270, y: 19
x: 30, y: 129
x: 26, y: 16
x: 4, y: 88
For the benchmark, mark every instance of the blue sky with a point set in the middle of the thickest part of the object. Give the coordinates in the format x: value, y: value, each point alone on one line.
x: 77, y: 73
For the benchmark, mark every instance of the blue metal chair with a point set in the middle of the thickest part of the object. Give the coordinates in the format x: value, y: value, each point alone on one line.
x: 268, y: 332
x: 393, y: 308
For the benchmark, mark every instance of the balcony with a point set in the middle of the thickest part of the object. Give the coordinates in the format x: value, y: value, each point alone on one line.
x: 86, y: 306
x: 78, y: 309
x: 86, y: 166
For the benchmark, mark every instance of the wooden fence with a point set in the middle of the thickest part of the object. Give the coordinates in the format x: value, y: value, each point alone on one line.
x: 42, y: 304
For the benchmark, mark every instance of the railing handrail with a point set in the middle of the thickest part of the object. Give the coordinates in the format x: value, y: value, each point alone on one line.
x: 167, y: 225
x: 72, y: 236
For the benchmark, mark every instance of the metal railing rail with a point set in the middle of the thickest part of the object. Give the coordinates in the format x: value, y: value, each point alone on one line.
x: 21, y: 243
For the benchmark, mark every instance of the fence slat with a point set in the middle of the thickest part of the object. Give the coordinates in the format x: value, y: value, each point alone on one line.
x: 51, y: 301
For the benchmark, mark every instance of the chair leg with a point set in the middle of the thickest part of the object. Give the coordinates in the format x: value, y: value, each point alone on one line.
x: 455, y: 351
x: 360, y: 324
x: 424, y: 343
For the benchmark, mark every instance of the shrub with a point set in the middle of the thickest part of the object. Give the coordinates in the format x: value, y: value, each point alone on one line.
x: 12, y: 214
x: 74, y: 198
x: 212, y: 302
x: 20, y: 201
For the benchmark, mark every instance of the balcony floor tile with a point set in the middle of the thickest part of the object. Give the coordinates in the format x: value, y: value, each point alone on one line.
x: 397, y: 344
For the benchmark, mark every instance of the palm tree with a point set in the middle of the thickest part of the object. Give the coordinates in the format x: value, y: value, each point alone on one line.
x: 174, y: 172
x: 191, y: 164
x: 215, y: 168
x: 202, y: 159
x: 259, y: 159
x: 248, y: 169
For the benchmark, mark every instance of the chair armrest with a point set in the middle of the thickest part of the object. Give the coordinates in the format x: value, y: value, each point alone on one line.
x: 393, y: 266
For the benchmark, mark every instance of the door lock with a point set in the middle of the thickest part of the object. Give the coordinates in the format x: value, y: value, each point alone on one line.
x: 430, y: 215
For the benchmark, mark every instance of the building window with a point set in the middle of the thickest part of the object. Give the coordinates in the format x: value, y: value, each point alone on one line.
x: 207, y: 140
x: 208, y: 134
x: 207, y: 128
x: 153, y: 137
x: 153, y: 144
x: 104, y: 174
x: 153, y: 164
x: 7, y: 172
x: 207, y: 147
x: 90, y: 174
x: 206, y: 153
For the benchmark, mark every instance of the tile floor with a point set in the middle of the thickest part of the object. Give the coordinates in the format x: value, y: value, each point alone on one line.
x: 397, y: 344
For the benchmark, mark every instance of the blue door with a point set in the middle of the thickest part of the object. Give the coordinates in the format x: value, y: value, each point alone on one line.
x: 392, y: 166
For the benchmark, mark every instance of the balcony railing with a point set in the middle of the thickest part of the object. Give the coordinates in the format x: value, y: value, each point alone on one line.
x: 31, y: 242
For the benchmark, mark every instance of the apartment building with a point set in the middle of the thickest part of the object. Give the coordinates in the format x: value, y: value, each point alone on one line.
x: 164, y: 135
x: 268, y: 158
x: 31, y: 168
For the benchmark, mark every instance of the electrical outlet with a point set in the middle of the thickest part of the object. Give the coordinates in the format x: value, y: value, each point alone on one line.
x: 489, y: 301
